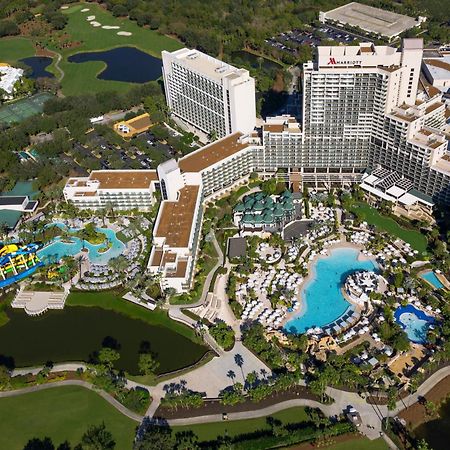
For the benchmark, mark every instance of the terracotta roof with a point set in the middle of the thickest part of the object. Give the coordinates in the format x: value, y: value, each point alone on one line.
x: 176, y: 218
x: 437, y: 63
x: 169, y: 257
x: 211, y: 154
x: 433, y: 107
x: 124, y: 179
x: 180, y: 272
x: 157, y: 257
x: 274, y: 128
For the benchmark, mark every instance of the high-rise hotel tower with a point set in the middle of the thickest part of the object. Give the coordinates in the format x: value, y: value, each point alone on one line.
x: 208, y: 94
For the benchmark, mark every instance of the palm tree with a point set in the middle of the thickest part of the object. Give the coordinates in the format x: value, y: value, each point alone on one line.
x: 231, y: 375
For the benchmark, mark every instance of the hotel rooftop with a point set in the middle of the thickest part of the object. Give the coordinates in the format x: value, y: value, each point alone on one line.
x: 207, y: 65
x: 116, y: 179
x: 370, y: 19
x: 176, y: 218
x: 212, y: 154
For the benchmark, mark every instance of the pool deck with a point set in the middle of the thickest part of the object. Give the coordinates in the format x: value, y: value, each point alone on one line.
x: 343, y: 244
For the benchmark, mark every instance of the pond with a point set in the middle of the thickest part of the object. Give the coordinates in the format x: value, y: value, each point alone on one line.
x: 38, y: 66
x: 436, y: 432
x: 123, y: 64
x: 76, y: 332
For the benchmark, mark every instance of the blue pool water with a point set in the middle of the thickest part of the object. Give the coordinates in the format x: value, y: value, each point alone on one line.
x: 414, y: 322
x: 322, y: 299
x: 57, y: 249
x: 431, y: 277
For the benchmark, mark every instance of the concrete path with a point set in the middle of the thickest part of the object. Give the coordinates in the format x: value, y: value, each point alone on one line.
x: 41, y: 387
x: 69, y: 367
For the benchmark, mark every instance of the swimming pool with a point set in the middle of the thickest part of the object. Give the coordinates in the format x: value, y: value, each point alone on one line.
x: 414, y: 322
x: 322, y: 299
x: 57, y: 249
x: 431, y: 277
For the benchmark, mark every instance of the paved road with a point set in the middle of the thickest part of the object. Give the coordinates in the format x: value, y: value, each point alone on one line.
x: 111, y: 400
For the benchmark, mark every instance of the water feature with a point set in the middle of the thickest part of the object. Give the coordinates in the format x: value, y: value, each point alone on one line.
x: 322, y: 299
x: 123, y: 64
x: 414, y: 322
x: 431, y: 277
x: 59, y: 248
x: 38, y: 66
x: 437, y: 431
x: 74, y: 333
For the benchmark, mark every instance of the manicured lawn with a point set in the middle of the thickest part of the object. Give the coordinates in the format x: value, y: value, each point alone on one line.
x: 365, y: 212
x: 360, y: 444
x: 15, y: 48
x: 61, y: 413
x: 109, y: 300
x: 80, y: 76
x: 210, y: 431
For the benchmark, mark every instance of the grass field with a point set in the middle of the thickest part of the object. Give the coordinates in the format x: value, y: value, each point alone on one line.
x: 109, y: 300
x: 365, y: 212
x: 210, y: 431
x: 360, y: 444
x: 82, y: 77
x: 61, y: 413
x: 78, y: 77
x: 15, y: 48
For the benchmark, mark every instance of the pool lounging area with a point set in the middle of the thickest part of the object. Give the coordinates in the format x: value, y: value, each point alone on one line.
x: 432, y: 278
x: 414, y: 322
x: 58, y: 248
x: 322, y: 300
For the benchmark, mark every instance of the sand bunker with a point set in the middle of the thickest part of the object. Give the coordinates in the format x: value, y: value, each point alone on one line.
x: 96, y: 24
x: 64, y: 7
x: 110, y: 27
x: 124, y: 33
x: 89, y: 18
x: 85, y: 10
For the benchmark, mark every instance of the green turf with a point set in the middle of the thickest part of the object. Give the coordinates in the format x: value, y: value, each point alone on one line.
x: 360, y: 444
x: 15, y: 48
x: 210, y: 431
x: 82, y: 77
x: 109, y: 300
x: 79, y: 76
x: 365, y: 212
x: 61, y: 413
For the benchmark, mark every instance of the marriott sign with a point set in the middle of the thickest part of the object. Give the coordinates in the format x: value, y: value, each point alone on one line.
x: 333, y: 62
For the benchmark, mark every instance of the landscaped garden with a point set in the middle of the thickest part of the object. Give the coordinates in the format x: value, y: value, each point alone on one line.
x: 369, y: 214
x: 61, y: 413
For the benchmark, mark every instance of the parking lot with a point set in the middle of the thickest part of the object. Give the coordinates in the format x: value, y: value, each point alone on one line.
x: 291, y: 40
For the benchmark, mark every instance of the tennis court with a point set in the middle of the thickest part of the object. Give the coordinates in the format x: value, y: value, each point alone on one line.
x: 22, y: 109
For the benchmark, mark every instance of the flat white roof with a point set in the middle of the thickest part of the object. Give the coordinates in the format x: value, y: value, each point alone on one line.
x: 372, y: 19
x: 439, y: 68
x: 213, y: 68
x: 395, y: 191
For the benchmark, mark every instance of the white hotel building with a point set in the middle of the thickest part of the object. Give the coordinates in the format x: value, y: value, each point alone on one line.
x: 367, y: 117
x: 208, y: 94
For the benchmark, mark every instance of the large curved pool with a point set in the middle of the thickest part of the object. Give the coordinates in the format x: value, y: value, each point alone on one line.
x: 57, y: 248
x: 322, y: 299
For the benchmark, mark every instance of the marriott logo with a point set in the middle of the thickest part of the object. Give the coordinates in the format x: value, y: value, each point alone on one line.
x: 332, y: 61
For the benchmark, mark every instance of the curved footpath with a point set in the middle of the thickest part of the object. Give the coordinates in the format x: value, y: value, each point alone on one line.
x: 41, y: 387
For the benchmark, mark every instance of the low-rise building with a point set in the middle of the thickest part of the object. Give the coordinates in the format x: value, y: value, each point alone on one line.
x: 132, y: 127
x: 8, y: 77
x: 121, y: 189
